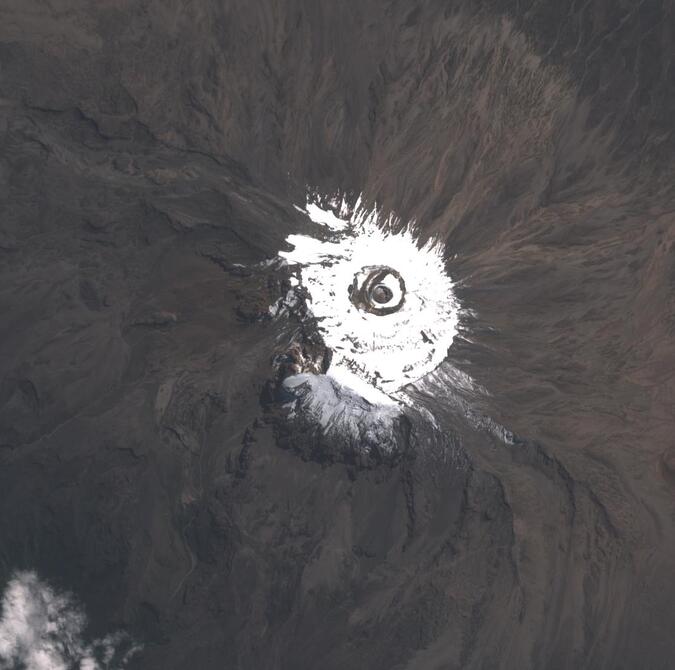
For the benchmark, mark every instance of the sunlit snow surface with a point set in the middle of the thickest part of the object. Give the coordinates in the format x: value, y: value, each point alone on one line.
x: 375, y: 354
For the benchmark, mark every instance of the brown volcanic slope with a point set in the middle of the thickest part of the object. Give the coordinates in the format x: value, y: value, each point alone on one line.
x: 146, y: 148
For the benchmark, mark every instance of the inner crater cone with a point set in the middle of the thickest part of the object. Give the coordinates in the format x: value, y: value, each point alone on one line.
x: 382, y: 294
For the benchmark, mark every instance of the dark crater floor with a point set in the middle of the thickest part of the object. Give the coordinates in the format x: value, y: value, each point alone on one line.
x: 150, y: 157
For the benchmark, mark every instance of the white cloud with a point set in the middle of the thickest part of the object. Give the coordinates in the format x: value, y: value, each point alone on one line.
x: 42, y: 629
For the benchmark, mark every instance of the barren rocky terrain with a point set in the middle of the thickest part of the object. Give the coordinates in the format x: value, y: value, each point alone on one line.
x: 151, y: 154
